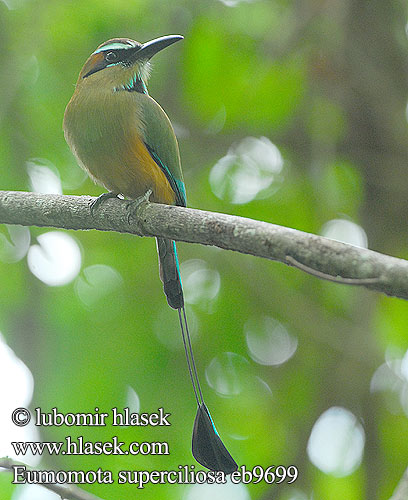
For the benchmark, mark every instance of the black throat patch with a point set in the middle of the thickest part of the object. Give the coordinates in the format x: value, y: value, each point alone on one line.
x: 136, y: 84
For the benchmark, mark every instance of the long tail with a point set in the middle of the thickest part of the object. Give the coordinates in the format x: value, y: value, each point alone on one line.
x: 170, y: 276
x: 169, y: 272
x: 208, y: 449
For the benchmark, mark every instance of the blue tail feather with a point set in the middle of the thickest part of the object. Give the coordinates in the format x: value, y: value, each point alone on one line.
x: 169, y: 272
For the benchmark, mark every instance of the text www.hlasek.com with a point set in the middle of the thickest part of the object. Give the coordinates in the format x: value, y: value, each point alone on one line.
x: 79, y: 446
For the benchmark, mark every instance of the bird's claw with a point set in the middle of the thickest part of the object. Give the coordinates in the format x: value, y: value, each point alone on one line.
x: 101, y: 199
x: 133, y: 205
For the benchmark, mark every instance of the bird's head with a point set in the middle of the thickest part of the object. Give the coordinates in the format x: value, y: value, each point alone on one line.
x: 122, y: 63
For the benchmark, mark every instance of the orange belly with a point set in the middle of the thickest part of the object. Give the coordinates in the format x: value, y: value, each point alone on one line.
x: 130, y: 172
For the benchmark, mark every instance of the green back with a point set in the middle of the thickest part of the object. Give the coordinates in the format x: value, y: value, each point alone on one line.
x: 161, y: 141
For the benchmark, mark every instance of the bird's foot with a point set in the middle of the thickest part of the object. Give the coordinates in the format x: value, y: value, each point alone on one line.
x: 101, y: 199
x: 133, y: 205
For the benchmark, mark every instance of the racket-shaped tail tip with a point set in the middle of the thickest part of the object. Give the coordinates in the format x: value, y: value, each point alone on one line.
x: 208, y: 449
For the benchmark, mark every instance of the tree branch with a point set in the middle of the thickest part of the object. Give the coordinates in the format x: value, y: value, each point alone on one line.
x: 65, y: 491
x: 324, y: 258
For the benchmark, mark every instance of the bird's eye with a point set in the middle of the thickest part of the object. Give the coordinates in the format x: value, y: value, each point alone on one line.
x: 111, y: 56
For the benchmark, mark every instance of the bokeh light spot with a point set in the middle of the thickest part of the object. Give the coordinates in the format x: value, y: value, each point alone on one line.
x: 345, y: 231
x: 15, y: 247
x: 96, y: 282
x: 336, y: 443
x: 268, y: 341
x: 16, y: 393
x: 15, y: 4
x: 132, y: 400
x: 34, y: 492
x: 201, y: 284
x: 44, y: 177
x: 226, y: 373
x: 391, y: 378
x: 296, y: 494
x: 250, y: 169
x: 56, y: 259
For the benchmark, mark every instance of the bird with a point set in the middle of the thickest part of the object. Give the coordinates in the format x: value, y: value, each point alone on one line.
x: 125, y: 141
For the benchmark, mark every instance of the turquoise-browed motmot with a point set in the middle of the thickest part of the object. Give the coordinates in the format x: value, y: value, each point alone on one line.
x: 125, y: 141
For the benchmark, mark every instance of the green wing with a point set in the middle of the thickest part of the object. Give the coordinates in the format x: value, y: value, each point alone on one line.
x: 162, y: 144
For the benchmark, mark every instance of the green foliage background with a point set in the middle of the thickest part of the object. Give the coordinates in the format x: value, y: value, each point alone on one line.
x: 323, y: 81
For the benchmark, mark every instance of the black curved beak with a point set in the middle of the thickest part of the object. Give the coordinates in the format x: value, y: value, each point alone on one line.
x: 149, y: 49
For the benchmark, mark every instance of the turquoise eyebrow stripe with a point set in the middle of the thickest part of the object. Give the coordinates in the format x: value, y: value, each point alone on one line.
x: 113, y: 46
